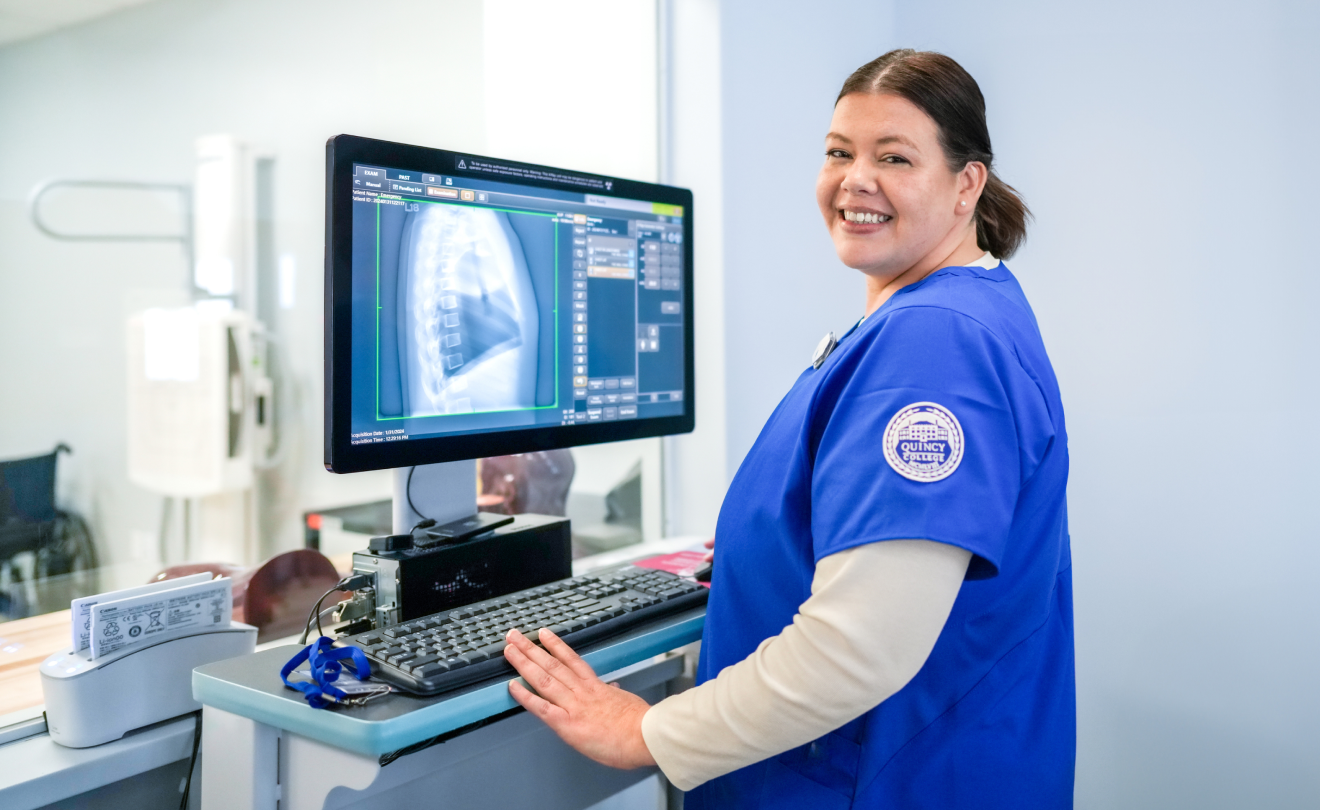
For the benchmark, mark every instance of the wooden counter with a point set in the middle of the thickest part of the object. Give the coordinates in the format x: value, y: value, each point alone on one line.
x: 24, y: 644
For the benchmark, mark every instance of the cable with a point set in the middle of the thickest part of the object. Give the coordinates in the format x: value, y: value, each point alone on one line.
x: 425, y: 522
x: 192, y: 763
x: 349, y: 583
x: 407, y: 493
x: 316, y: 613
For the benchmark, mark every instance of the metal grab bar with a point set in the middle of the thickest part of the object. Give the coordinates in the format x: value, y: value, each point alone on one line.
x: 183, y: 190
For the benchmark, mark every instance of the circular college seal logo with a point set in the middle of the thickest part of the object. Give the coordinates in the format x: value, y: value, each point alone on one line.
x: 924, y: 442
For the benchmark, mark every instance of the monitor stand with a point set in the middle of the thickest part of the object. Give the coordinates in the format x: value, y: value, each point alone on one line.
x: 443, y: 492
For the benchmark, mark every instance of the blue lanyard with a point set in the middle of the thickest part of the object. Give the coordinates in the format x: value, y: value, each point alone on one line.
x: 324, y: 659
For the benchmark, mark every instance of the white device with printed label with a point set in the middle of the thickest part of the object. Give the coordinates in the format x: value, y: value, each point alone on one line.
x: 90, y: 702
x: 136, y: 621
x: 81, y: 607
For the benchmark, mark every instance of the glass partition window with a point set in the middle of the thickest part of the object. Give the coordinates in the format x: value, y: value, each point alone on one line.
x: 162, y: 310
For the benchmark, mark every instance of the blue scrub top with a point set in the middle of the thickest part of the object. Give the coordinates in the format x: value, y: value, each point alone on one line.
x: 936, y: 418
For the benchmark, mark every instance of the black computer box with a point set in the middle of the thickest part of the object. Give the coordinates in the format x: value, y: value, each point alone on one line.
x: 530, y: 551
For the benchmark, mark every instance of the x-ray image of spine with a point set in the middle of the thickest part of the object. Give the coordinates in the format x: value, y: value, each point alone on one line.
x: 468, y: 320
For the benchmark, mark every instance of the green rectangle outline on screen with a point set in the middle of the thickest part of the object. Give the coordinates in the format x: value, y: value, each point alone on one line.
x: 555, y: 311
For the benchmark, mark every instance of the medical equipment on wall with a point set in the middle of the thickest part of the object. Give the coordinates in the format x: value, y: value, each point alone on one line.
x: 201, y: 394
x: 198, y: 401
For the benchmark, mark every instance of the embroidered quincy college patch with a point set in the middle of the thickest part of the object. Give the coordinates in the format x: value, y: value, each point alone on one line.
x: 924, y: 442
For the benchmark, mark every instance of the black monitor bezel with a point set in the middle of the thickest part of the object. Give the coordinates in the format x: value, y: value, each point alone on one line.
x: 341, y: 456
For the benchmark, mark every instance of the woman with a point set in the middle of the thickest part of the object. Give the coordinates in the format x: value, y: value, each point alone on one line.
x: 891, y: 618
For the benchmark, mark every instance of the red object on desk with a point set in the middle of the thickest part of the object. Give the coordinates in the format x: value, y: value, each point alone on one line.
x: 683, y: 563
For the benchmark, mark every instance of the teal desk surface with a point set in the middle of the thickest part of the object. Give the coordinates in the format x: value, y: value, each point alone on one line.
x: 250, y: 686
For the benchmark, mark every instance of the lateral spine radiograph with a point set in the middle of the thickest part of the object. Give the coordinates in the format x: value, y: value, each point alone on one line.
x: 469, y: 320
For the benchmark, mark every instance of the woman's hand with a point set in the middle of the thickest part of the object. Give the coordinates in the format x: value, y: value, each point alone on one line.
x: 600, y: 720
x: 710, y: 555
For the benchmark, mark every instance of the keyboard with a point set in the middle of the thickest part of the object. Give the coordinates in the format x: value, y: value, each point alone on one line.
x: 446, y: 650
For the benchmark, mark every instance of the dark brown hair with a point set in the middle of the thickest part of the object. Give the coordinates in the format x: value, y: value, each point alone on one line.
x: 950, y: 96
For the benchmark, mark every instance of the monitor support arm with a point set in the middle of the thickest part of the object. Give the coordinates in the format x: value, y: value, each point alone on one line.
x: 442, y: 492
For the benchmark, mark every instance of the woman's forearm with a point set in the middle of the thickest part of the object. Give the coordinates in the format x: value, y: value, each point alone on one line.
x: 873, y: 617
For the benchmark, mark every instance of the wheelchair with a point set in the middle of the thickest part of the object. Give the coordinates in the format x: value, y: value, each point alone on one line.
x: 57, y: 543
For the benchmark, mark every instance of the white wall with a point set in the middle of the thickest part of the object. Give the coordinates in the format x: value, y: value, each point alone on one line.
x: 572, y: 84
x: 124, y: 96
x: 1166, y: 151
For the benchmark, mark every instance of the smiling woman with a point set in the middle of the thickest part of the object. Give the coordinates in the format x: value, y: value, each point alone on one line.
x: 907, y: 186
x: 888, y: 626
x: 953, y: 101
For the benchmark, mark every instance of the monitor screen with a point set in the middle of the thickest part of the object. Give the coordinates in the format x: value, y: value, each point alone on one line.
x: 480, y: 307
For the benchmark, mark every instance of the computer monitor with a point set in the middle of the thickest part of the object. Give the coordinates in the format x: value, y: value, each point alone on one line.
x: 480, y: 307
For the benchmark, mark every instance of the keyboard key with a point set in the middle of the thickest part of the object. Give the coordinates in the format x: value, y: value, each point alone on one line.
x: 433, y: 668
x: 421, y: 660
x: 473, y: 656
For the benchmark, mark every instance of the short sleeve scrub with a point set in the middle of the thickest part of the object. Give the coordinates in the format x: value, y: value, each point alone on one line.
x: 937, y: 418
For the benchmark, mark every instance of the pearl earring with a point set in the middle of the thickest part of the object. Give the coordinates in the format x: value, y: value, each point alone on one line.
x: 964, y: 202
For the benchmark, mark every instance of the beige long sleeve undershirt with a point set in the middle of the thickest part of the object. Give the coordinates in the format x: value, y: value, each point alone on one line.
x: 874, y: 614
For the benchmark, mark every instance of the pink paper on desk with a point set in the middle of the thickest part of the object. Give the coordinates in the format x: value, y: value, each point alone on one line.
x: 683, y: 563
